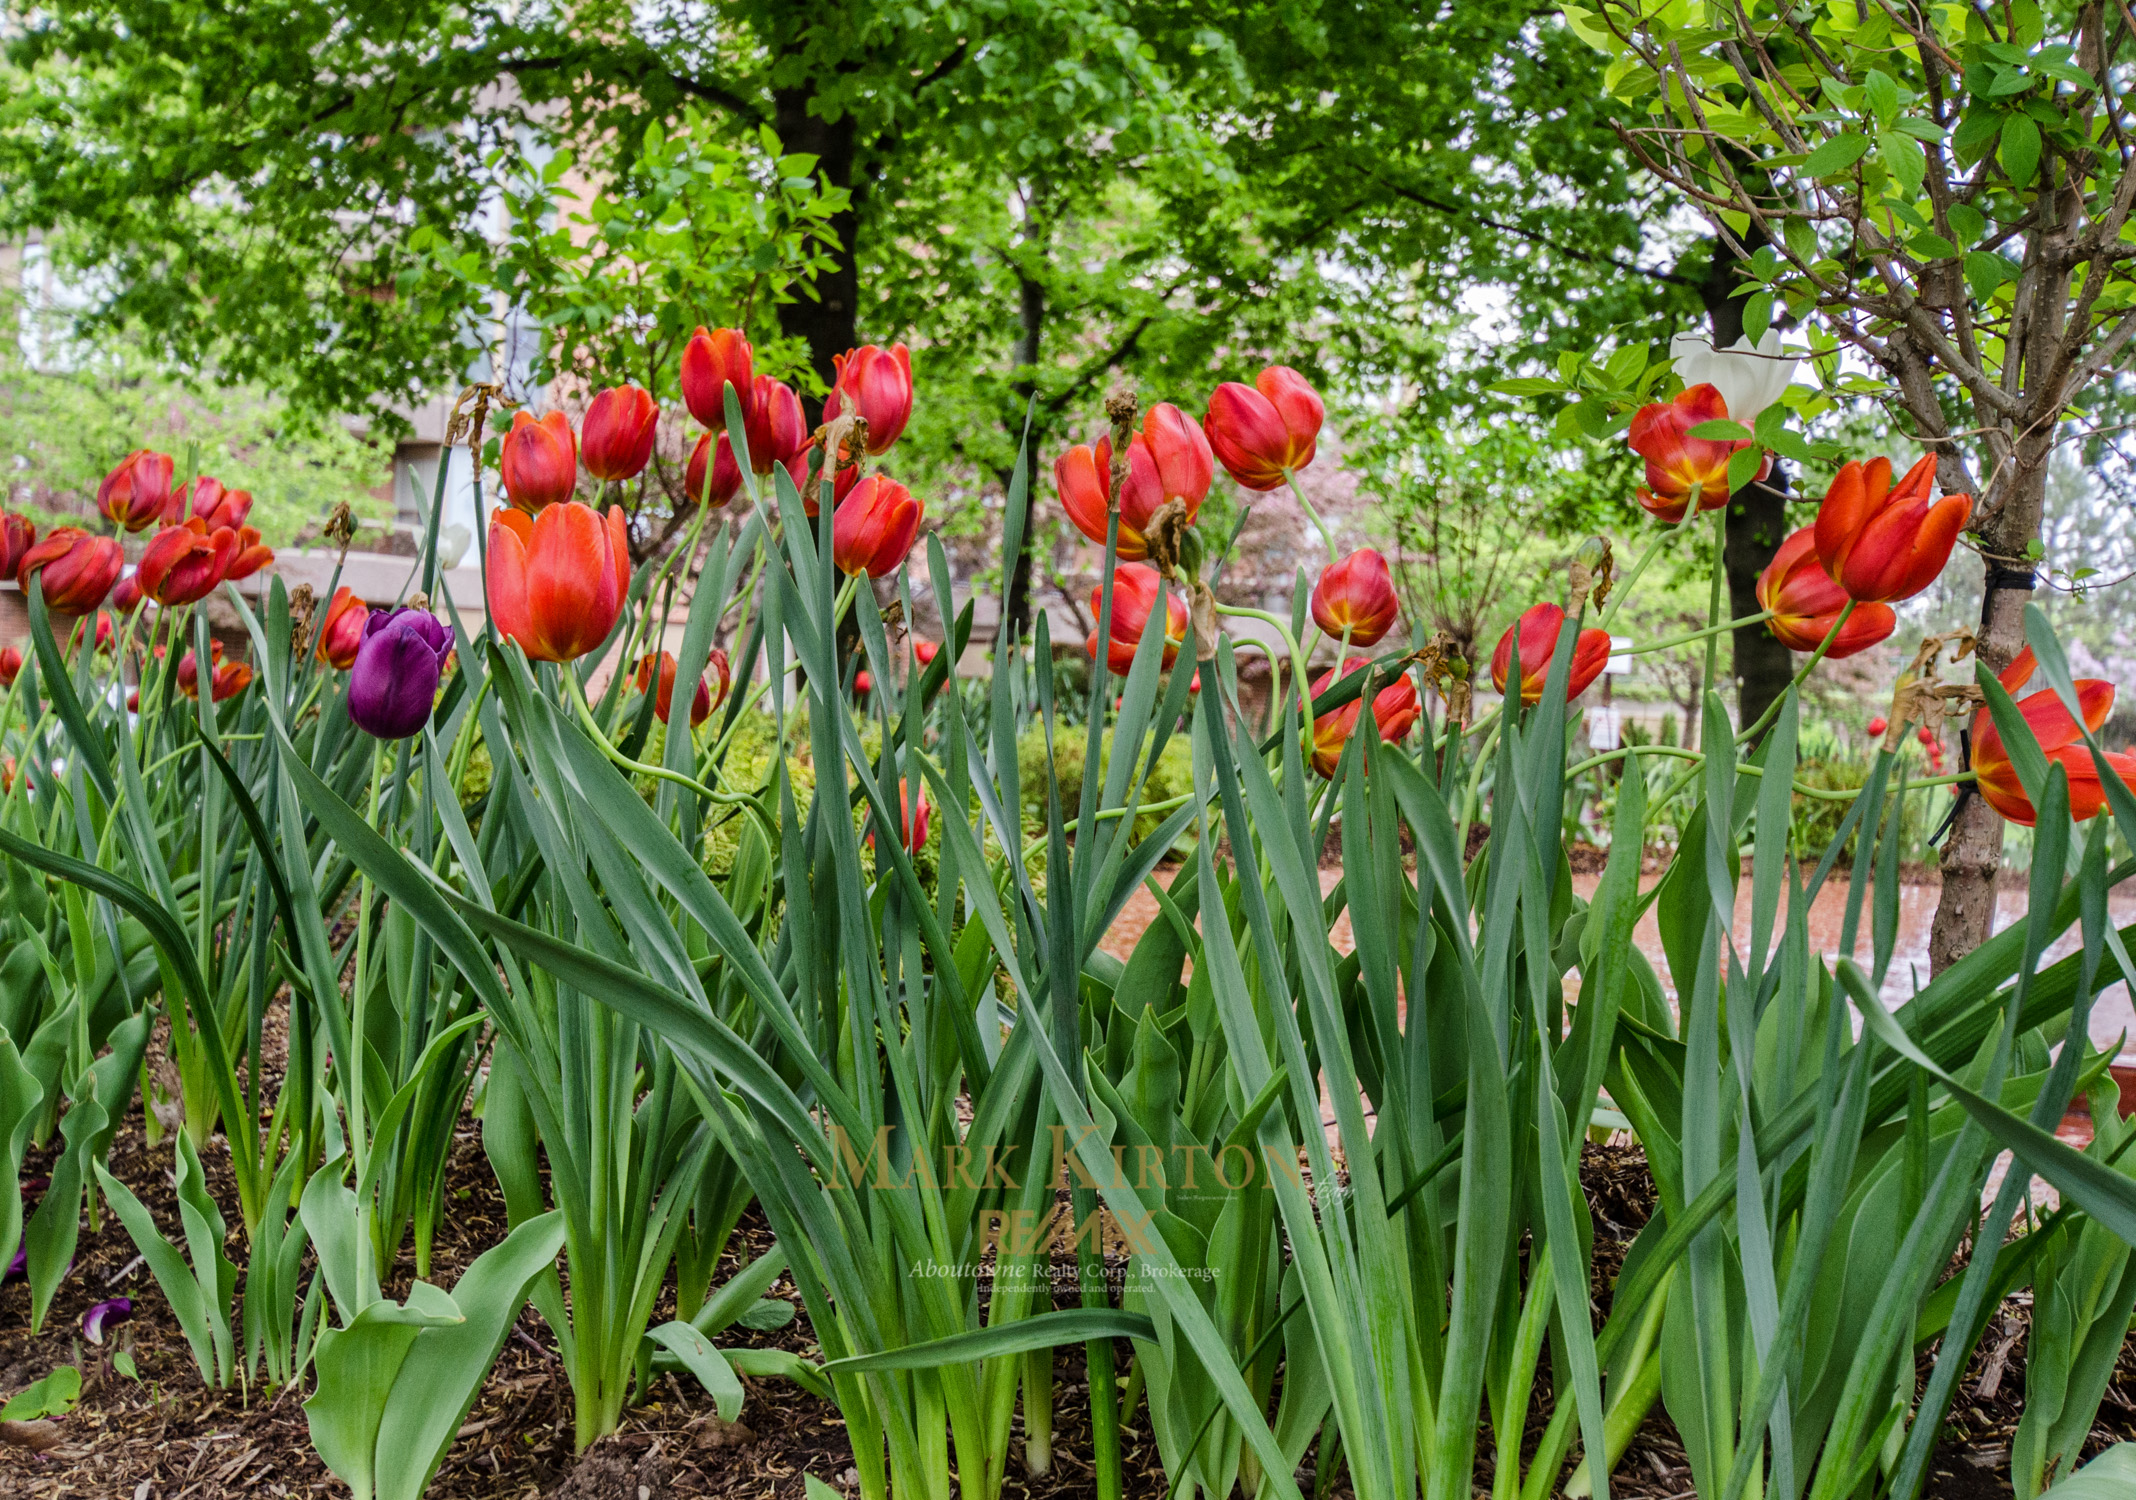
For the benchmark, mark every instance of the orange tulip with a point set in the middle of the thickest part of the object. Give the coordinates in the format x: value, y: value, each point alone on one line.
x: 710, y: 363
x: 73, y: 569
x: 251, y: 556
x: 1678, y: 465
x: 876, y: 383
x: 1884, y: 544
x: 1264, y: 432
x: 1356, y: 595
x: 619, y: 429
x: 1083, y: 476
x: 1394, y: 708
x: 341, y: 632
x: 183, y: 564
x: 2061, y: 741
x: 912, y: 811
x: 723, y: 669
x: 664, y: 663
x: 875, y: 527
x: 1806, y: 602
x: 137, y: 493
x: 557, y: 581
x: 18, y: 534
x: 1136, y: 590
x: 218, y: 506
x: 1538, y: 630
x: 540, y: 461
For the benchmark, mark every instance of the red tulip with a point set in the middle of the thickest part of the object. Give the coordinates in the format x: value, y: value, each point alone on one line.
x: 2061, y: 741
x: 664, y: 664
x: 251, y: 556
x: 1264, y: 432
x: 1806, y: 602
x: 710, y: 363
x: 726, y: 474
x: 18, y: 534
x: 877, y: 384
x: 1394, y: 708
x: 341, y: 632
x: 1678, y: 465
x: 189, y: 671
x: 925, y: 651
x: 1356, y: 595
x: 1538, y: 630
x: 183, y: 564
x: 1083, y: 476
x: 1884, y: 544
x: 862, y: 683
x: 912, y: 810
x: 220, y: 507
x: 540, y: 461
x: 1877, y: 726
x: 137, y: 493
x: 10, y: 666
x: 1184, y: 463
x: 723, y: 669
x: 107, y: 631
x: 778, y: 433
x: 619, y: 429
x: 74, y: 569
x: 875, y: 527
x: 126, y: 598
x: 557, y: 581
x: 1136, y: 590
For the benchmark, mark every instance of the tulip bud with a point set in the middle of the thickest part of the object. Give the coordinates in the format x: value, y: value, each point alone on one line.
x: 619, y: 429
x: 18, y: 534
x: 137, y: 493
x: 394, y: 683
x: 540, y: 461
x: 10, y: 665
x: 1264, y: 433
x: 875, y: 384
x: 710, y: 363
x: 1355, y: 600
x: 341, y: 632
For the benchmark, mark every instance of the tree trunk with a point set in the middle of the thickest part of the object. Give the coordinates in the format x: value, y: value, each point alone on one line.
x: 1031, y: 311
x: 829, y: 320
x: 1756, y: 525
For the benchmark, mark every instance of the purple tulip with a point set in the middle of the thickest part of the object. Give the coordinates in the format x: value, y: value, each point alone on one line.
x: 394, y: 682
x: 117, y: 1310
x: 17, y: 1268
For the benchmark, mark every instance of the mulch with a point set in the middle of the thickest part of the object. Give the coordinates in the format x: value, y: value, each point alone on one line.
x: 167, y: 1436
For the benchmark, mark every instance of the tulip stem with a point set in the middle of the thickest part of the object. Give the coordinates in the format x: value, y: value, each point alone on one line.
x: 1327, y: 537
x: 1622, y: 592
x: 1297, y: 657
x: 352, y: 1066
x: 1713, y: 600
x: 1821, y: 793
x: 1688, y: 637
x: 1772, y: 709
x: 633, y: 767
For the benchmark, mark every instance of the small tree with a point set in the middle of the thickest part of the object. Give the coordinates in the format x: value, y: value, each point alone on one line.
x: 1945, y: 192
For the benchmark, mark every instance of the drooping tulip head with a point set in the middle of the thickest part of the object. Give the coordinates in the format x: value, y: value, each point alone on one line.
x: 1264, y: 432
x: 1883, y: 543
x: 394, y: 683
x: 341, y: 631
x: 540, y: 461
x: 218, y: 506
x: 1137, y: 590
x: 710, y: 363
x: 1181, y: 451
x: 74, y: 569
x: 1806, y: 603
x: 18, y: 534
x: 557, y: 581
x: 137, y: 493
x: 1537, y: 631
x: 875, y: 527
x: 618, y: 433
x: 875, y: 383
x: 1083, y: 477
x: 1395, y: 708
x: 1679, y: 466
x: 1355, y: 597
x: 183, y: 564
x: 2061, y: 741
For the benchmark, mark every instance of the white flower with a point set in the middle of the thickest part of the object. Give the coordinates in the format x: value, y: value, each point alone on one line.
x: 1749, y: 377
